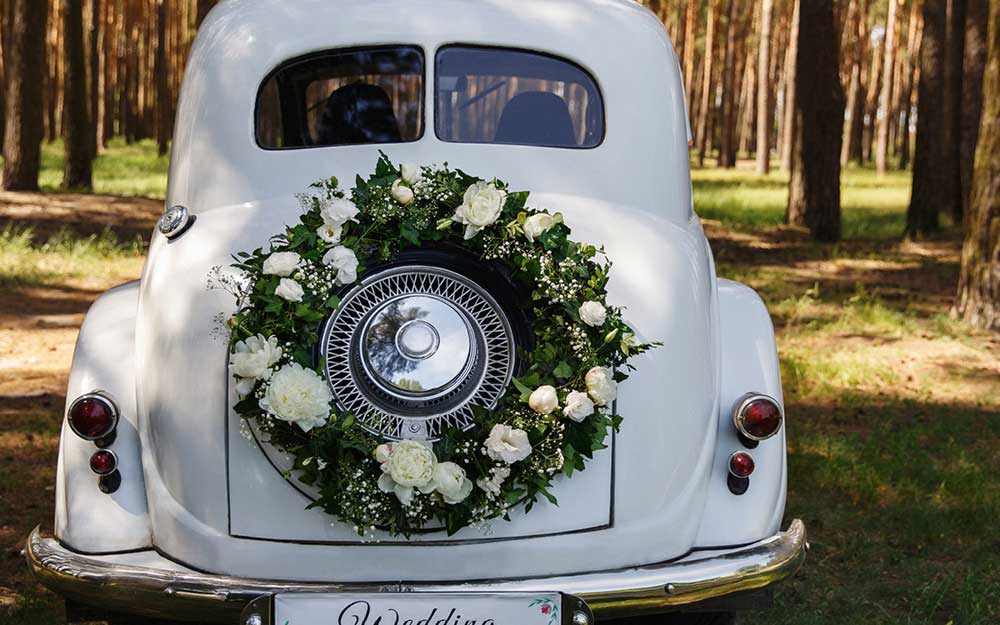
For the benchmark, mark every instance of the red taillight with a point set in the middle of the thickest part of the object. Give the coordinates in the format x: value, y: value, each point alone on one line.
x: 93, y: 416
x: 757, y: 416
x: 741, y: 464
x: 103, y: 462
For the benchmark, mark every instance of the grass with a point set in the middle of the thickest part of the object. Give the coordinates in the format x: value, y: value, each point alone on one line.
x: 25, y: 261
x: 129, y: 170
x: 872, y: 204
x: 893, y: 407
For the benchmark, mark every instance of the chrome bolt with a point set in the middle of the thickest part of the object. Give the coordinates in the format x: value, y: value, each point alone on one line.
x: 254, y: 619
x: 671, y: 589
x: 581, y: 618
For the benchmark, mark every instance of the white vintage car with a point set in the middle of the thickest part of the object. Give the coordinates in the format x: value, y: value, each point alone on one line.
x: 168, y: 505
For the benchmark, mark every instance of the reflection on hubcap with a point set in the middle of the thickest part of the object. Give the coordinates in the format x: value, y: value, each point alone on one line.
x: 418, y: 346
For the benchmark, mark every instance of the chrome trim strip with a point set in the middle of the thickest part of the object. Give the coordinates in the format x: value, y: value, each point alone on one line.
x: 220, y: 599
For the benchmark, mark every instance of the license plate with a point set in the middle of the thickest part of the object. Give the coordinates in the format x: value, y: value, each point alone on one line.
x: 417, y: 608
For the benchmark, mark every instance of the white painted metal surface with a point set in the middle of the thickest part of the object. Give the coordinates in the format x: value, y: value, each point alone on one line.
x: 632, y: 194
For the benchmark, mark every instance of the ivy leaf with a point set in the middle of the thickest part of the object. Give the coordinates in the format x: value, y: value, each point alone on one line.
x: 563, y: 371
x: 332, y: 302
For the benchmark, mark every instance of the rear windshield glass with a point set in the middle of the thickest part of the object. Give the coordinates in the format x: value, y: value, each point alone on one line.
x: 343, y: 97
x: 497, y: 95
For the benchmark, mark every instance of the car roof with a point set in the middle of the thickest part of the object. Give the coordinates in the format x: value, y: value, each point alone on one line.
x: 215, y: 160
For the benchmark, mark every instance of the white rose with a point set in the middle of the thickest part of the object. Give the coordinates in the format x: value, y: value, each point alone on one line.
x: 535, y: 225
x: 411, y: 463
x: 543, y: 400
x: 508, y: 444
x: 382, y: 452
x: 255, y: 356
x: 282, y: 263
x: 330, y: 233
x: 244, y: 386
x: 601, y: 386
x: 289, y: 289
x: 451, y: 482
x: 338, y: 211
x: 480, y: 207
x: 578, y: 406
x: 299, y: 396
x: 406, y: 465
x: 345, y: 262
x: 411, y: 173
x: 401, y: 193
x: 593, y: 314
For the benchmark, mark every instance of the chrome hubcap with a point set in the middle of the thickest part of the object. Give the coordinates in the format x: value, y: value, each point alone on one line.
x: 412, y: 350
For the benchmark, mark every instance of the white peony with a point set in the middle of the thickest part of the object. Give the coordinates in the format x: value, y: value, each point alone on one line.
x: 401, y: 193
x: 535, y: 225
x: 578, y: 406
x: 480, y: 207
x: 508, y: 444
x: 244, y: 386
x: 544, y: 399
x: 282, y: 263
x: 451, y: 482
x: 345, y: 262
x: 593, y: 314
x: 330, y: 233
x: 601, y: 386
x: 289, y: 289
x: 406, y: 465
x: 299, y: 396
x: 255, y: 356
x: 338, y: 211
x: 411, y: 173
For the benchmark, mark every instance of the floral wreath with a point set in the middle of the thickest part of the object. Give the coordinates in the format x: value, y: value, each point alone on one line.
x: 550, y: 419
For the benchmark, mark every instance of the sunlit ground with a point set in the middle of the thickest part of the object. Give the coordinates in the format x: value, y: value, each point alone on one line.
x: 893, y: 407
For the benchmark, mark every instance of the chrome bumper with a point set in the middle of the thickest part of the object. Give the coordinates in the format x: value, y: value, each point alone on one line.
x: 177, y: 593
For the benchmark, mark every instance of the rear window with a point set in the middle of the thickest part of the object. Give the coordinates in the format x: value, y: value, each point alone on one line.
x: 343, y: 97
x: 500, y: 95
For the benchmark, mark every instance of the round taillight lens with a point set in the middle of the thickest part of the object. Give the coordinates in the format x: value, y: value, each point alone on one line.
x: 757, y: 417
x: 103, y: 462
x: 741, y: 464
x: 92, y: 417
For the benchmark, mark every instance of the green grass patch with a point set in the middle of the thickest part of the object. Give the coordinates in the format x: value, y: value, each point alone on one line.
x: 126, y: 169
x: 25, y: 261
x: 874, y: 207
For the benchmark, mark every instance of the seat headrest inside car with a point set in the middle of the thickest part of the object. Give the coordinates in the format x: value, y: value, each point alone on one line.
x: 536, y: 118
x: 358, y: 113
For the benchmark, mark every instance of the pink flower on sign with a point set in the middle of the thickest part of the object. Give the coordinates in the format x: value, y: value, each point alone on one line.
x: 546, y: 608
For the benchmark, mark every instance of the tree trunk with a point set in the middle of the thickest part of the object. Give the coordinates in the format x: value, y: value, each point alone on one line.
x: 978, y: 299
x: 954, y: 53
x: 912, y: 48
x: 854, y: 38
x: 79, y: 135
x: 24, y: 127
x: 162, y: 87
x: 707, y: 84
x: 973, y: 65
x: 932, y: 175
x: 727, y: 148
x: 889, y: 63
x: 788, y: 124
x: 871, y: 105
x: 820, y: 109
x: 94, y: 75
x: 764, y: 109
x: 690, y: 37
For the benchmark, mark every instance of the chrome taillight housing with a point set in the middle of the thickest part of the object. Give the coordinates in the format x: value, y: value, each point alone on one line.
x: 93, y: 416
x: 757, y: 416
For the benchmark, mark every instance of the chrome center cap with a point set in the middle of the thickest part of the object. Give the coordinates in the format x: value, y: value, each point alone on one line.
x: 418, y: 346
x: 417, y: 340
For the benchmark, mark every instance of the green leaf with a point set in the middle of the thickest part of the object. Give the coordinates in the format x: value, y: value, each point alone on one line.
x: 563, y: 370
x: 408, y: 232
